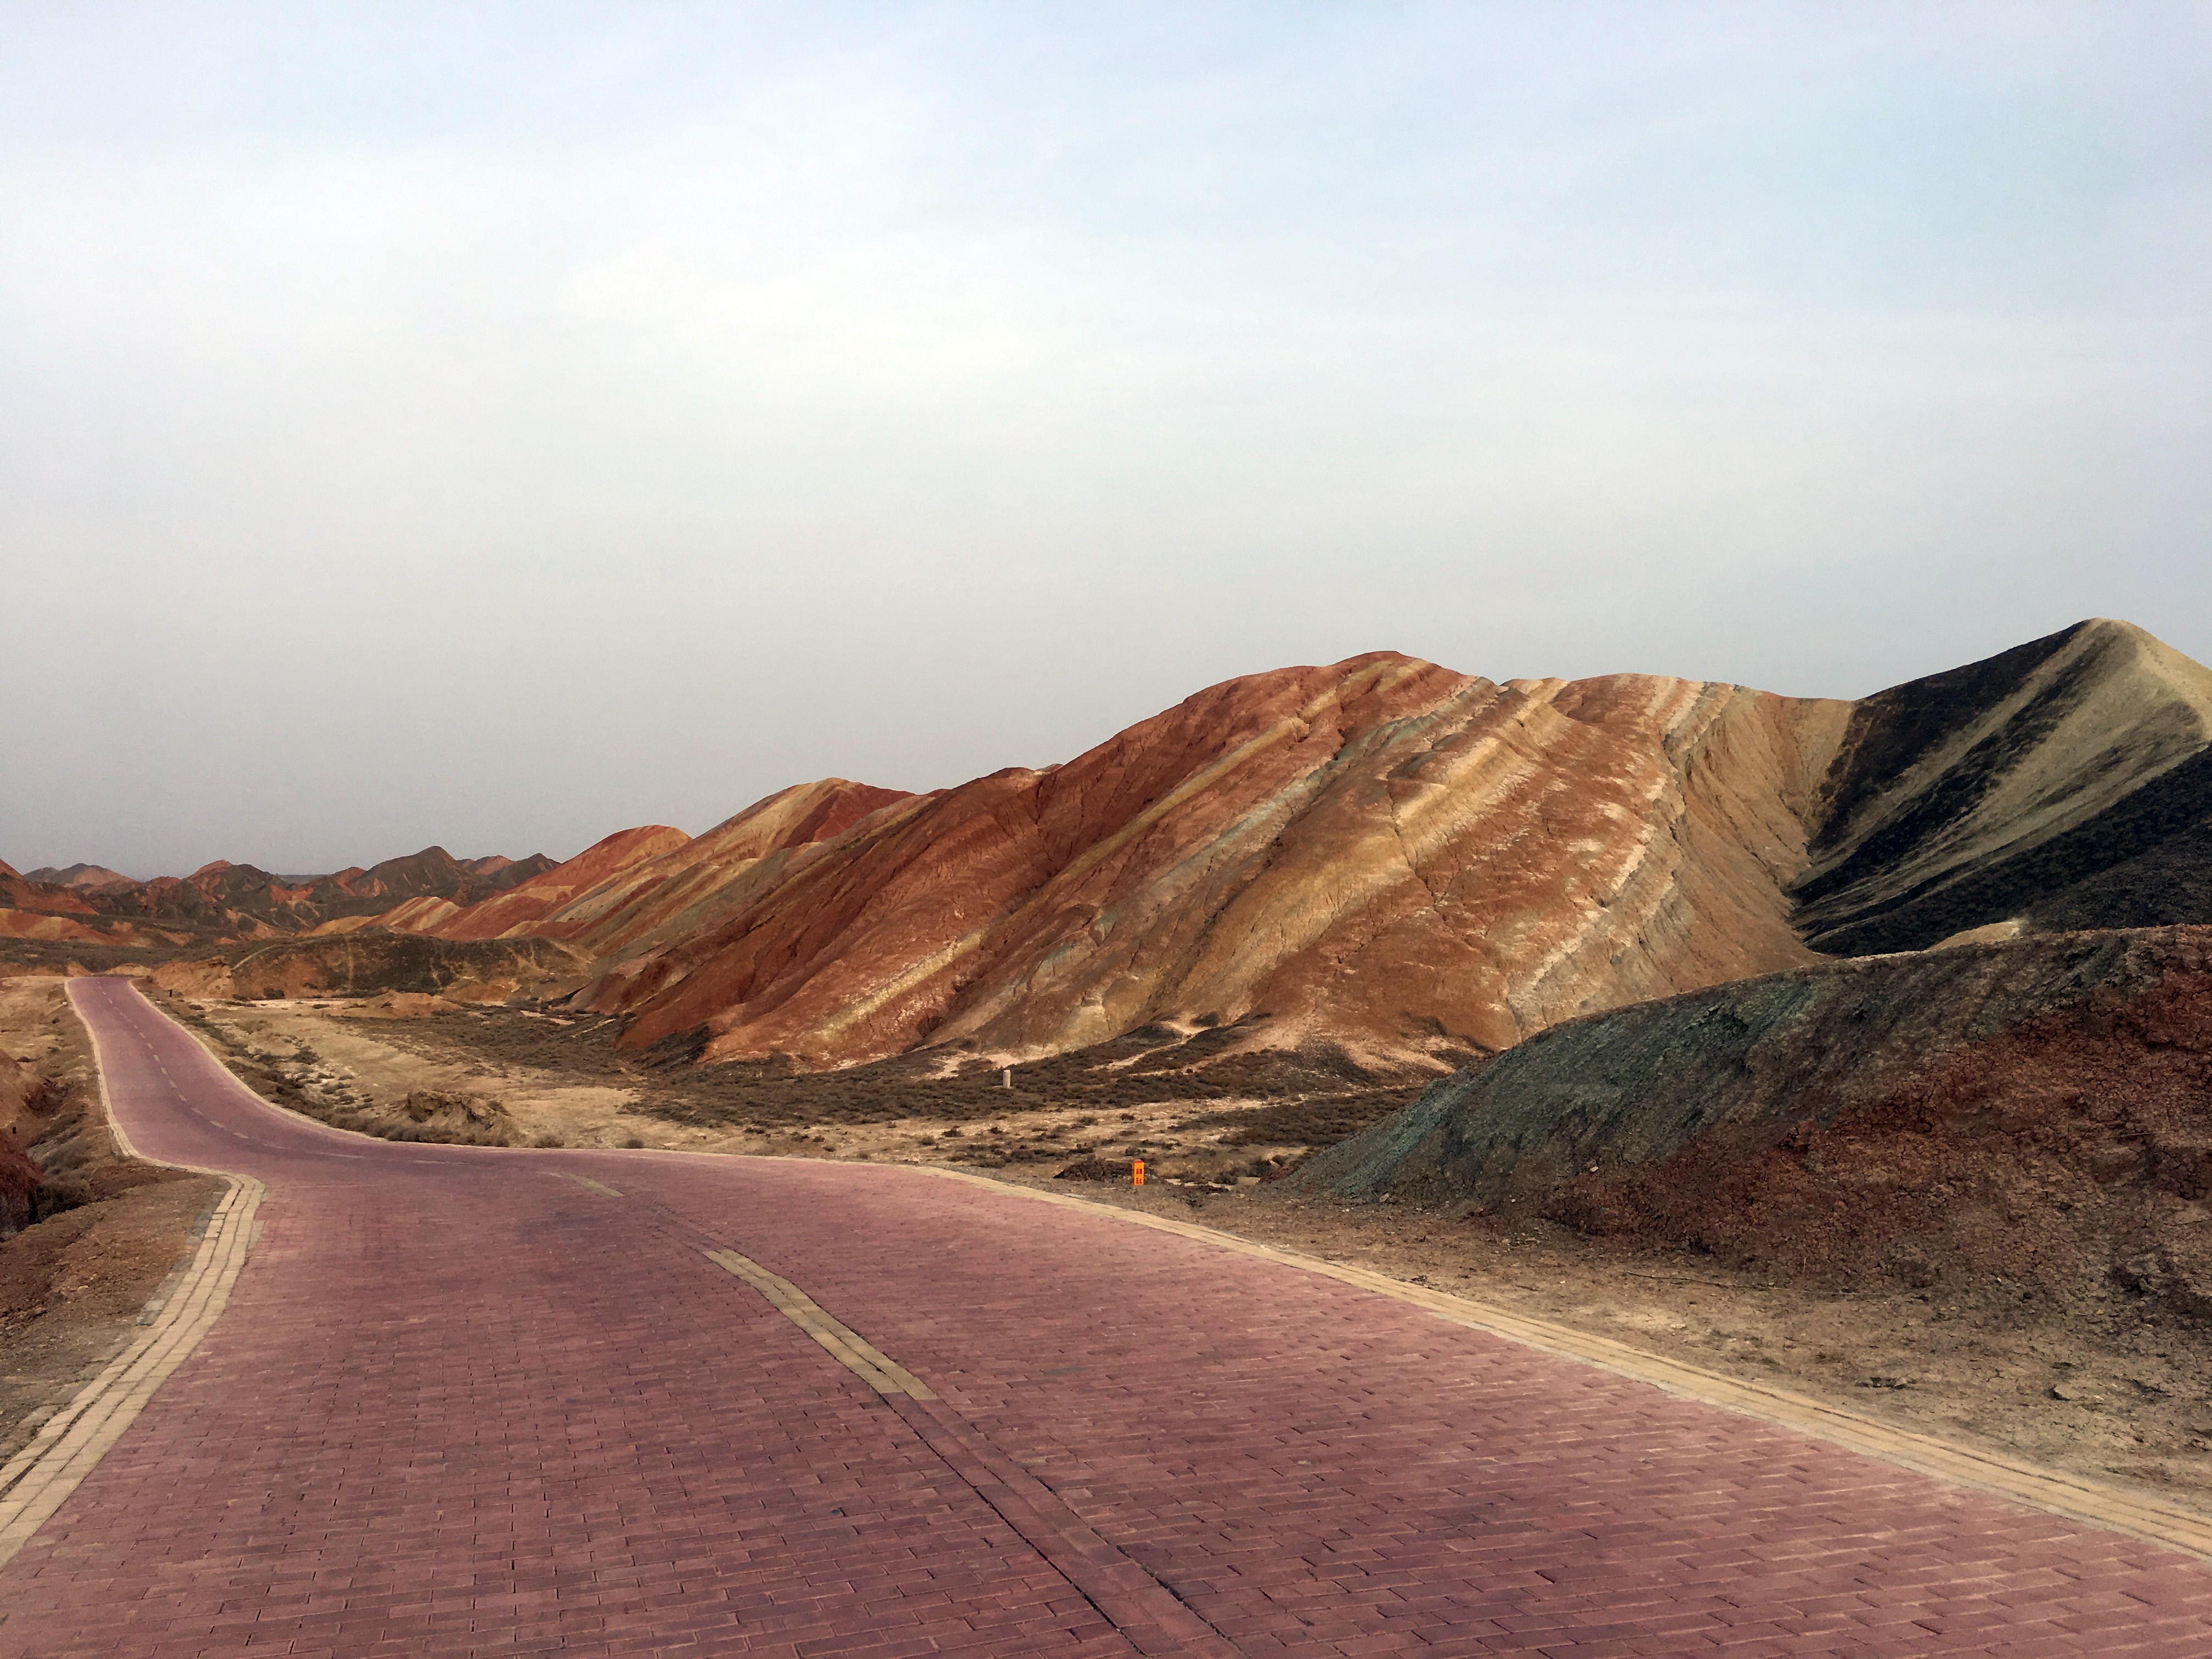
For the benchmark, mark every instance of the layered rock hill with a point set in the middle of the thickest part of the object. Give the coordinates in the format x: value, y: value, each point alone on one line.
x: 2035, y: 1112
x: 29, y: 893
x: 243, y: 900
x: 527, y: 903
x: 1383, y: 857
x: 1413, y: 864
x: 33, y: 909
x: 691, y: 887
x: 2064, y: 784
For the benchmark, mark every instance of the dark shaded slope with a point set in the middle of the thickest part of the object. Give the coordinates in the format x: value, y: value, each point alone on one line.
x: 2065, y: 783
x: 2146, y: 862
x: 1893, y: 731
x: 2038, y: 1111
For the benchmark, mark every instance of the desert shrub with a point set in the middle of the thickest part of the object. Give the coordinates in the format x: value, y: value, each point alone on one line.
x: 1096, y: 1169
x: 64, y: 1158
x: 53, y: 1197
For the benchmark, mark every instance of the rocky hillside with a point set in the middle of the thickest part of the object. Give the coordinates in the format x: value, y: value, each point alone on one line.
x: 1380, y: 854
x: 1410, y: 864
x: 683, y: 889
x: 54, y: 914
x: 367, y: 962
x: 2035, y: 1112
x: 2064, y: 784
x: 1380, y: 859
x: 527, y: 905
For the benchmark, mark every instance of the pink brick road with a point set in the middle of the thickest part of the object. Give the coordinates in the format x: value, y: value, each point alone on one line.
x: 462, y: 1406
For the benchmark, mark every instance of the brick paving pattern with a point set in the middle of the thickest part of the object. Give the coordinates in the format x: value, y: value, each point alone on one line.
x: 460, y: 1407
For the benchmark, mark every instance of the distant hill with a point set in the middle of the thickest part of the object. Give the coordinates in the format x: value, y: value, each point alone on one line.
x: 77, y: 875
x: 241, y: 900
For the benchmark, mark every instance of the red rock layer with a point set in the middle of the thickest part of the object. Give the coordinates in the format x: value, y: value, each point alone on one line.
x: 21, y: 892
x: 531, y: 900
x: 707, y: 879
x: 1381, y: 853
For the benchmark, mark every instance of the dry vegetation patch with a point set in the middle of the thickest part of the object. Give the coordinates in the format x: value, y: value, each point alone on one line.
x: 547, y: 1080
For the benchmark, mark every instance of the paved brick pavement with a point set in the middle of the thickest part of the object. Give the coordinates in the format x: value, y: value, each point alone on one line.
x: 504, y: 1403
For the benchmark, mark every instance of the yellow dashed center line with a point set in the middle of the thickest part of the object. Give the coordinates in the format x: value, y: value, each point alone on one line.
x: 884, y: 1375
x: 598, y: 1187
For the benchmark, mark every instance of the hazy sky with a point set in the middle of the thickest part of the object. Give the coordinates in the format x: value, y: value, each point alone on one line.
x: 498, y: 425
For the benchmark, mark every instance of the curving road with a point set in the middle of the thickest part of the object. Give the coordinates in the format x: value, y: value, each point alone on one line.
x: 506, y: 1403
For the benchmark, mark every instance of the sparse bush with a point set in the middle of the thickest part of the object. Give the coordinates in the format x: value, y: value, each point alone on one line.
x: 1096, y: 1169
x: 56, y: 1196
x: 60, y: 1160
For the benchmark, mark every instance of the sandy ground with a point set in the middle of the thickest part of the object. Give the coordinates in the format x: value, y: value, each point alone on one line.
x: 373, y: 1054
x: 73, y: 1289
x: 2131, y: 1405
x: 340, y: 1056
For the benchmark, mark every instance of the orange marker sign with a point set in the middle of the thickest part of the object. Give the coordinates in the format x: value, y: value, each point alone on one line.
x: 1136, y: 1173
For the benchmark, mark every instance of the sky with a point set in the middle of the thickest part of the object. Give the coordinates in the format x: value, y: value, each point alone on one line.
x: 495, y: 425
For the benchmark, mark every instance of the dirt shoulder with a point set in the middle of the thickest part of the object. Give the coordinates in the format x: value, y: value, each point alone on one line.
x: 75, y: 1286
x: 2123, y: 1401
x: 554, y: 1080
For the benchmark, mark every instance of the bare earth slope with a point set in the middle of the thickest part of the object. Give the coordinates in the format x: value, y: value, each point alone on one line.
x: 1380, y: 854
x: 2034, y: 1115
x: 529, y: 902
x: 691, y: 885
